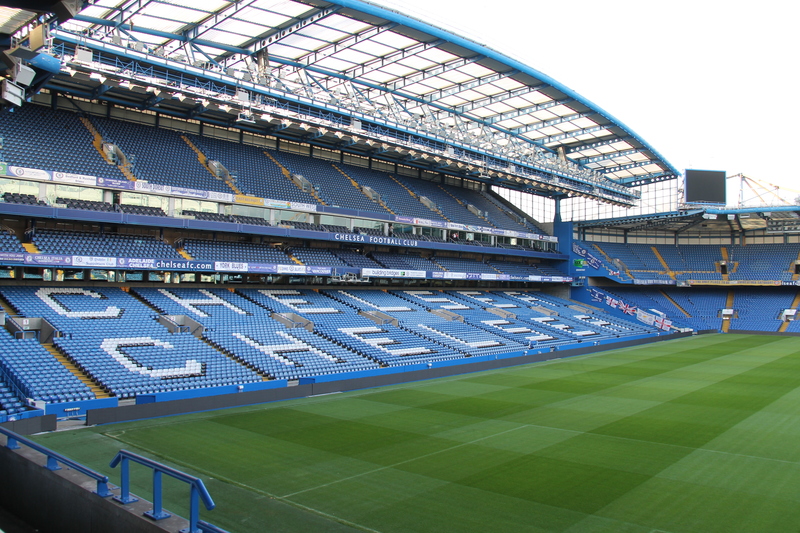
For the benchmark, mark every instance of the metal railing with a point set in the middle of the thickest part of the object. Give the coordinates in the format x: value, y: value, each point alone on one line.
x: 198, y: 491
x: 54, y: 459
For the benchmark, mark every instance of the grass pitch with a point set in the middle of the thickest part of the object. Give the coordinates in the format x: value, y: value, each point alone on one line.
x: 691, y: 435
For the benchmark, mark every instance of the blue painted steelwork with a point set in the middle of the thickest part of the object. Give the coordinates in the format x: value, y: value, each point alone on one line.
x: 418, y: 25
x: 419, y: 136
x: 198, y: 489
x: 53, y: 459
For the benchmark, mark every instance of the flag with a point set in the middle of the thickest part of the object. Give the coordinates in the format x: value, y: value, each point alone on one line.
x: 628, y: 309
x: 611, y: 302
x: 662, y: 323
x: 597, y: 296
x: 614, y: 272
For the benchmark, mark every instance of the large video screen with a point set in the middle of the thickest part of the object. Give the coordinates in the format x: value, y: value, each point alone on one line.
x: 706, y: 186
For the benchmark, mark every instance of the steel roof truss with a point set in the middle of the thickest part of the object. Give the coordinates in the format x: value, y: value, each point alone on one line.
x: 344, y: 44
x: 496, y: 98
x: 276, y: 34
x: 547, y: 123
x: 598, y: 144
x: 606, y: 156
x: 533, y: 108
x: 388, y: 59
x: 628, y: 166
x: 434, y: 71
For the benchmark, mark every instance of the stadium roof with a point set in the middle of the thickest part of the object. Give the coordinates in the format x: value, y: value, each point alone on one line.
x: 377, y: 82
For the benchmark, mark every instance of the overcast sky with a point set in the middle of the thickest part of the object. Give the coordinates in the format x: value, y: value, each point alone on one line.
x: 709, y: 84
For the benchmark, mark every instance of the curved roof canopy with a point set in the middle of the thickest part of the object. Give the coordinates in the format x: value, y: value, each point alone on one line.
x: 355, y: 76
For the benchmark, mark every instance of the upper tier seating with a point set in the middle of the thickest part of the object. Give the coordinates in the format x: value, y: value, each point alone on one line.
x: 445, y: 200
x: 773, y: 262
x: 161, y: 155
x: 256, y: 173
x: 333, y: 187
x: 763, y: 261
x: 498, y: 216
x: 38, y: 137
x: 393, y: 194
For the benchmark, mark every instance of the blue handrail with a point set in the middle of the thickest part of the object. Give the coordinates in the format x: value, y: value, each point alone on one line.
x: 53, y: 459
x: 198, y: 491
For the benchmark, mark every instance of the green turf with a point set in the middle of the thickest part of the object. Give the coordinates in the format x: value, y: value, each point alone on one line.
x: 693, y: 435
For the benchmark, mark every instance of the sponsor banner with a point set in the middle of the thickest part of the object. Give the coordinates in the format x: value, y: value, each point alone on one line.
x: 249, y: 200
x: 230, y: 266
x: 404, y: 220
x: 389, y: 273
x: 29, y: 173
x: 319, y: 270
x: 77, y: 179
x: 47, y: 259
x: 503, y: 277
x: 151, y: 187
x: 654, y: 282
x: 220, y: 196
x: 793, y: 283
x: 436, y: 274
x: 3, y: 168
x: 191, y: 193
x: 291, y: 269
x: 263, y: 268
x: 12, y: 256
x: 453, y: 225
x: 136, y: 263
x: 436, y: 224
x: 277, y: 204
x: 761, y: 282
x: 488, y: 277
x: 455, y: 275
x: 297, y: 206
x: 116, y: 184
x: 502, y: 232
x: 91, y: 261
